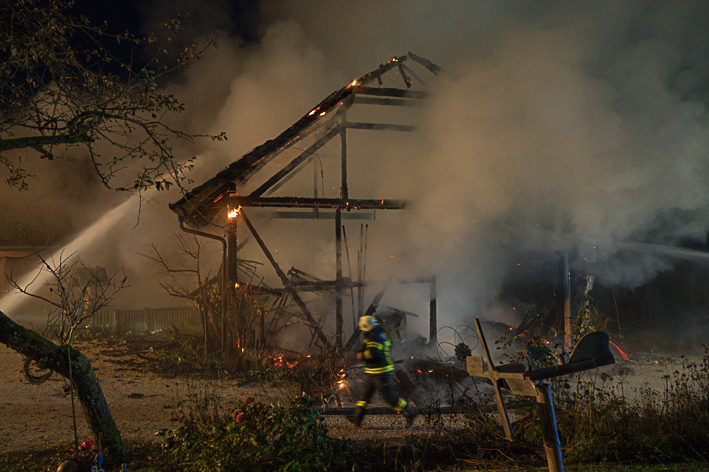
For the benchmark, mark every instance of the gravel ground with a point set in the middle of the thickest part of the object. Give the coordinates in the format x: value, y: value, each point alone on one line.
x: 143, y: 404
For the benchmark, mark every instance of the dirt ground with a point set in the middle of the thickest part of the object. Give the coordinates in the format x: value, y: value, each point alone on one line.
x: 145, y: 405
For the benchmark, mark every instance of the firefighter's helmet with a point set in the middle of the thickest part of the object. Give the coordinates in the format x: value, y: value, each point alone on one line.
x: 368, y: 323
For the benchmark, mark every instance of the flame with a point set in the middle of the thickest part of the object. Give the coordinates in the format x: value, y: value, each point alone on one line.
x: 354, y: 82
x: 280, y: 362
x: 233, y: 213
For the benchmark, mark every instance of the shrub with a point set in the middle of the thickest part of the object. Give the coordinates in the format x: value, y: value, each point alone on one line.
x: 597, y: 425
x: 258, y: 437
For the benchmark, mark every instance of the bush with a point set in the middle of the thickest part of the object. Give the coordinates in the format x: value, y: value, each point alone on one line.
x: 597, y: 425
x: 258, y: 437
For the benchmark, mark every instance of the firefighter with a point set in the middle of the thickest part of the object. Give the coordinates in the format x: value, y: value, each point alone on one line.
x: 379, y: 372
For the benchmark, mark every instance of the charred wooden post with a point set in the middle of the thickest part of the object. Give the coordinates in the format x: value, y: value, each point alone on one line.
x: 344, y: 192
x: 433, y: 311
x: 344, y: 195
x: 567, y: 303
x: 316, y: 211
x: 360, y: 272
x: 231, y: 254
x: 349, y: 270
x: 338, y: 277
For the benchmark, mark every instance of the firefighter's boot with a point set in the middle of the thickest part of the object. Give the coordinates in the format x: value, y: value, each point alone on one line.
x: 356, y: 418
x: 410, y: 414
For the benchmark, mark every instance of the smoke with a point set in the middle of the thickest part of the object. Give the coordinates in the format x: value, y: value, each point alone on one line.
x: 557, y: 126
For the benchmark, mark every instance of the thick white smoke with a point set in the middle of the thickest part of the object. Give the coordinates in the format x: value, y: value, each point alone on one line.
x: 557, y: 126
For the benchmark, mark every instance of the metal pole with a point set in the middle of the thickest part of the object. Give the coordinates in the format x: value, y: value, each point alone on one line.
x: 550, y: 433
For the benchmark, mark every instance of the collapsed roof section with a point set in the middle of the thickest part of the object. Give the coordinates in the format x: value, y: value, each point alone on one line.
x: 202, y: 205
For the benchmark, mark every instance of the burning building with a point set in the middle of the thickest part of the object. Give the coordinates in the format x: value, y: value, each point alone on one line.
x: 256, y: 182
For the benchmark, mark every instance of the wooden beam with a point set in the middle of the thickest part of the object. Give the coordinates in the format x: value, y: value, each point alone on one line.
x: 306, y: 202
x: 389, y: 92
x: 394, y: 102
x: 502, y: 411
x: 295, y: 163
x: 286, y: 282
x: 379, y: 127
x: 435, y: 69
x: 320, y: 214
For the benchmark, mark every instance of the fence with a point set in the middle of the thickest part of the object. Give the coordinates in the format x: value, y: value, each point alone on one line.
x: 143, y: 320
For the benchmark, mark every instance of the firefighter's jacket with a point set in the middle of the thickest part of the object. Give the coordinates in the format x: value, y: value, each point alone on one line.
x: 375, y: 352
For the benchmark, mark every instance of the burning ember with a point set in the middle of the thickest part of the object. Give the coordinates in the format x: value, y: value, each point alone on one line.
x: 233, y: 213
x: 280, y: 361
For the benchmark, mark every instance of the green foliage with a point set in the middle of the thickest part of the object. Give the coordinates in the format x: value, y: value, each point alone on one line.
x: 258, y: 437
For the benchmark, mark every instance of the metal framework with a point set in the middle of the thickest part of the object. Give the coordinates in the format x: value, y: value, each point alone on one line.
x: 209, y: 203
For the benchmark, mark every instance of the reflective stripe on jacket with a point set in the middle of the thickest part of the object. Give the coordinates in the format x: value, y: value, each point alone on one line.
x: 375, y: 352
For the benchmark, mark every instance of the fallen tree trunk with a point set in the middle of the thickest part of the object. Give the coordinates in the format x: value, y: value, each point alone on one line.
x: 88, y: 390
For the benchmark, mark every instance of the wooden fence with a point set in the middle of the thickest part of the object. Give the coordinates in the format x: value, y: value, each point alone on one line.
x: 143, y: 320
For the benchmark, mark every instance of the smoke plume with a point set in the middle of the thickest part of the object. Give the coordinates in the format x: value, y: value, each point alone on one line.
x: 556, y: 127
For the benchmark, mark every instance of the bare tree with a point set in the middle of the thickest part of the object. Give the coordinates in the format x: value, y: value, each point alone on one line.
x: 66, y: 83
x: 185, y: 275
x: 77, y: 293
